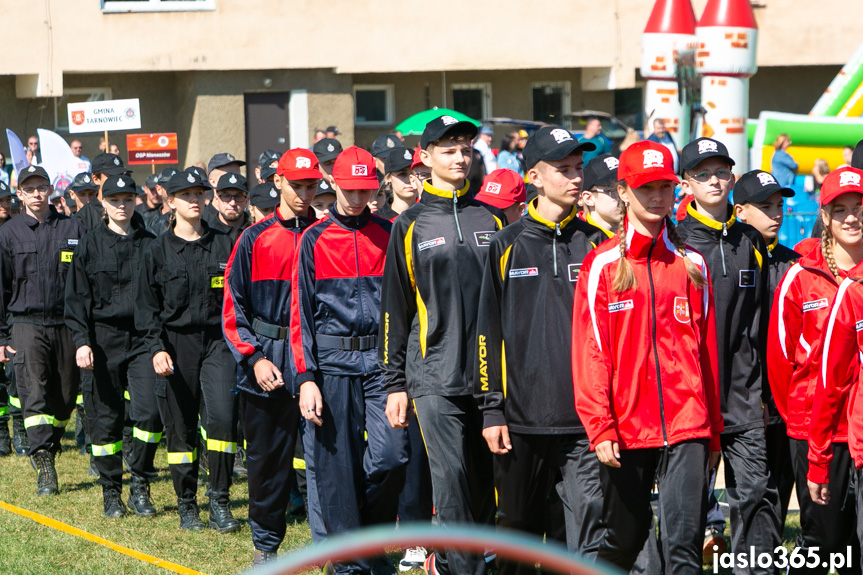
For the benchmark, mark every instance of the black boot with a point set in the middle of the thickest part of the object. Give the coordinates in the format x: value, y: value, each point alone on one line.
x: 189, y: 518
x: 20, y: 443
x: 221, y: 518
x: 113, y: 503
x: 239, y: 466
x: 5, y: 439
x: 139, y: 497
x: 46, y: 478
x: 264, y: 557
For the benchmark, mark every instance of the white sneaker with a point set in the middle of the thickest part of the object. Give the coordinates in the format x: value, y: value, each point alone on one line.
x: 413, y: 559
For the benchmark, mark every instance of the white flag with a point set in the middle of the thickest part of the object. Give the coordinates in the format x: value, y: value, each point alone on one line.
x: 58, y: 160
x: 17, y: 151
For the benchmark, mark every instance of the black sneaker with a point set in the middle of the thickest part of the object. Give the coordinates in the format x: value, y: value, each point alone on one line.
x: 113, y: 504
x: 189, y: 518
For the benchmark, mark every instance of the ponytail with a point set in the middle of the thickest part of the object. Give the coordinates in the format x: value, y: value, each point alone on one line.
x: 827, y: 242
x: 624, y: 279
x: 695, y: 275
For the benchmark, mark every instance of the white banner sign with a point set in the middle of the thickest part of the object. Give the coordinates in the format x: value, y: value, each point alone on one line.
x: 107, y: 115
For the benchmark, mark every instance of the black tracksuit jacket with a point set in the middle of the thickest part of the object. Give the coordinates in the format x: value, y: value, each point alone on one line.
x: 435, y: 261
x: 523, y: 374
x: 736, y: 255
x: 180, y: 286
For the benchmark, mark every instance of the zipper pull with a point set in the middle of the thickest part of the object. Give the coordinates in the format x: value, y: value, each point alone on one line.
x: 557, y: 229
x: 724, y: 229
x: 455, y: 215
x: 554, y: 247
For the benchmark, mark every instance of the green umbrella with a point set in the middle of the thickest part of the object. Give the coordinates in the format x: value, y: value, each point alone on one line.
x: 414, y: 125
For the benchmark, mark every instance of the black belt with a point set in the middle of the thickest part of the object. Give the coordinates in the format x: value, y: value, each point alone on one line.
x: 356, y: 343
x: 270, y: 330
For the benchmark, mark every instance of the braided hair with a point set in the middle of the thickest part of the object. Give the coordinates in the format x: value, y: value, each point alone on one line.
x: 827, y: 241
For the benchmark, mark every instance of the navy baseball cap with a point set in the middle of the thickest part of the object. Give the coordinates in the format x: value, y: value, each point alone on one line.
x: 223, y: 159
x: 264, y: 195
x: 383, y: 144
x: 327, y: 149
x: 185, y: 180
x: 109, y: 164
x: 231, y: 181
x: 398, y: 159
x: 83, y: 181
x: 32, y: 172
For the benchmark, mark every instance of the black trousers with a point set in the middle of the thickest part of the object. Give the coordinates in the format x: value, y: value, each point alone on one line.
x: 752, y: 496
x: 680, y: 472
x: 203, y: 367
x: 528, y: 480
x: 415, y: 500
x: 779, y: 463
x: 119, y: 364
x: 461, y: 472
x: 830, y: 528
x: 12, y: 389
x: 271, y: 426
x: 48, y: 381
x: 142, y: 408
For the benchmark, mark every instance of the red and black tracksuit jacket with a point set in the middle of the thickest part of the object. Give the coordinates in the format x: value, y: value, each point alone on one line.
x: 258, y: 298
x: 801, y: 309
x: 736, y: 255
x: 838, y: 393
x: 335, y: 304
x: 433, y: 274
x: 644, y: 361
x: 522, y: 380
x: 779, y: 260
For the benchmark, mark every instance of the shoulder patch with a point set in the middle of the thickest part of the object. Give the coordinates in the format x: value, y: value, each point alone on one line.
x: 815, y: 304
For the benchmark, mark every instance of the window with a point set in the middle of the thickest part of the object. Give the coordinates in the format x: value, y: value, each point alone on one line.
x: 551, y: 102
x: 374, y: 105
x: 474, y: 100
x: 628, y: 108
x: 72, y: 96
x: 118, y: 6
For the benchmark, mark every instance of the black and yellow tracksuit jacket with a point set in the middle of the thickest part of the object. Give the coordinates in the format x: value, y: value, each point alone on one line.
x: 434, y: 267
x: 523, y: 373
x: 737, y: 258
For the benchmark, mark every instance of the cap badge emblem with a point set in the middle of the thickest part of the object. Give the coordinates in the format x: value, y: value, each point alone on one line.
x: 304, y: 163
x: 706, y: 146
x: 31, y: 169
x: 233, y: 179
x: 331, y: 148
x: 191, y: 179
x: 359, y: 170
x: 849, y: 179
x: 86, y: 179
x: 116, y: 161
x: 611, y: 163
x: 273, y: 193
x: 408, y: 155
x: 492, y: 188
x: 653, y: 159
x: 561, y: 135
x: 766, y: 179
x: 448, y: 120
x: 121, y: 183
x: 390, y: 143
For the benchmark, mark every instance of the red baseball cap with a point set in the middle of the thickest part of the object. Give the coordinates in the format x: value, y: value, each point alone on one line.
x: 644, y: 162
x: 417, y: 161
x: 841, y: 181
x: 299, y: 164
x: 355, y: 170
x: 501, y: 189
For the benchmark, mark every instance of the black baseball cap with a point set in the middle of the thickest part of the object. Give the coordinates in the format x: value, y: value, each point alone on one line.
x: 757, y: 186
x: 324, y: 188
x: 32, y: 172
x: 5, y: 190
x: 201, y: 174
x: 151, y: 181
x: 267, y: 157
x: 699, y: 150
x: 232, y: 181
x: 332, y: 129
x: 264, y: 195
x: 270, y: 169
x: 552, y: 143
x: 223, y: 159
x: 383, y: 144
x: 185, y: 180
x: 166, y: 175
x: 83, y: 181
x: 440, y: 127
x: 108, y: 164
x: 600, y: 171
x: 857, y: 156
x: 398, y: 159
x: 121, y: 184
x: 327, y: 149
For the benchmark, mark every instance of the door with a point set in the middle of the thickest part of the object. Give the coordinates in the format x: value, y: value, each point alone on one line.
x: 266, y: 125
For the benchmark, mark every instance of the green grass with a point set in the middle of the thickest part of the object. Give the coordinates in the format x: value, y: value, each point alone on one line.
x: 28, y: 548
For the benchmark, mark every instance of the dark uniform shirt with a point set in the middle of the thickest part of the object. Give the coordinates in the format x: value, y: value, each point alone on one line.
x: 149, y: 214
x: 180, y: 285
x: 34, y: 260
x: 232, y: 232
x: 102, y: 279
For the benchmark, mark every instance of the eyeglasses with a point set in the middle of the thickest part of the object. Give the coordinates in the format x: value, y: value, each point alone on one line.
x: 228, y: 198
x: 704, y: 177
x: 422, y: 176
x: 610, y: 191
x: 31, y: 191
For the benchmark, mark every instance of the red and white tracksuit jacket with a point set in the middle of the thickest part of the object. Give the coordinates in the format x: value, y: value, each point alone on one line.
x: 837, y: 386
x: 801, y: 308
x: 644, y: 362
